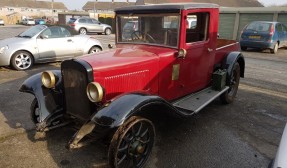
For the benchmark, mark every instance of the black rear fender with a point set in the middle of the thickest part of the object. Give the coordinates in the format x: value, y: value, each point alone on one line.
x: 49, y: 100
x: 125, y: 106
x: 230, y: 61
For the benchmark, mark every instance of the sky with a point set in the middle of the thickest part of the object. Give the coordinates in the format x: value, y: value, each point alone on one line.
x: 78, y: 4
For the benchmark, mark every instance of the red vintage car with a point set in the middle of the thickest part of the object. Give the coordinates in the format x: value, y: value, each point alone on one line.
x: 165, y: 65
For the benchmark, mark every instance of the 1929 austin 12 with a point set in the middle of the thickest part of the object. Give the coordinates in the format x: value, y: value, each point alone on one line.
x: 165, y: 65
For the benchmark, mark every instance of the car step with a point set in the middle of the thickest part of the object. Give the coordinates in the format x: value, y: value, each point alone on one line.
x: 195, y: 102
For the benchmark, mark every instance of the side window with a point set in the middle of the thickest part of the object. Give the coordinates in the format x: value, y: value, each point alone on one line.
x: 89, y: 21
x: 52, y: 32
x: 82, y: 21
x: 64, y: 32
x: 197, y: 27
x: 279, y: 27
x: 95, y: 21
x: 284, y: 28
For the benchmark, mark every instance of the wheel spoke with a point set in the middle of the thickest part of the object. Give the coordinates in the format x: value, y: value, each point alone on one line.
x: 17, y: 59
x: 144, y: 133
x: 146, y: 141
x: 122, y: 159
x: 139, y: 130
x: 123, y: 148
x: 19, y: 63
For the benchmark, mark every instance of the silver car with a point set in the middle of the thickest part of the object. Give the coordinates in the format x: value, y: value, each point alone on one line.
x: 43, y: 43
x: 85, y: 25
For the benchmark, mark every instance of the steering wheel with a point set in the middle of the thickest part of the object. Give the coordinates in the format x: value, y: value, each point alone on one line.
x: 139, y: 35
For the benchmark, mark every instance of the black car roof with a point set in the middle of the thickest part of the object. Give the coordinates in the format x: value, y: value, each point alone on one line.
x: 163, y: 8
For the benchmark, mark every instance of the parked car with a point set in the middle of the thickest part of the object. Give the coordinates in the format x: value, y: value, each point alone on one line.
x: 40, y: 21
x: 85, y: 25
x: 112, y: 94
x: 2, y: 22
x: 128, y: 28
x: 264, y: 35
x: 29, y: 22
x: 43, y: 43
x: 280, y: 159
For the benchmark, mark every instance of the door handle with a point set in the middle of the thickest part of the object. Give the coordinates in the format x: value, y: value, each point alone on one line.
x: 69, y: 40
x: 209, y: 49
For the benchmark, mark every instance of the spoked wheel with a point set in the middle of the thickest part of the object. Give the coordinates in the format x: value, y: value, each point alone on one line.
x: 132, y: 143
x: 35, y: 111
x: 108, y: 31
x: 229, y: 95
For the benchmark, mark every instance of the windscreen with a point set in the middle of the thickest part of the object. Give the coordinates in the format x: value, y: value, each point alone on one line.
x: 259, y: 26
x: 149, y: 29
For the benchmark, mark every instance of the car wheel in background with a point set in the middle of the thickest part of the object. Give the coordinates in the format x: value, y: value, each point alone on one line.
x: 94, y: 49
x: 108, y: 31
x: 21, y: 60
x: 243, y: 48
x: 275, y: 49
x: 83, y: 31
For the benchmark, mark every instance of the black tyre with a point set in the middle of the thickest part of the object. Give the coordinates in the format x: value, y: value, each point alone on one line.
x: 275, y: 49
x: 132, y: 143
x: 94, y: 49
x: 243, y: 48
x: 22, y: 60
x: 229, y: 96
x: 35, y: 111
x: 108, y: 31
x: 83, y: 31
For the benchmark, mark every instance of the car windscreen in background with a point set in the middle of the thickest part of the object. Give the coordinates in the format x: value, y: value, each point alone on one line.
x: 259, y: 26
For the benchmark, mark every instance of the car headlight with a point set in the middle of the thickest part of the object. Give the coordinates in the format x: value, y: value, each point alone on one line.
x: 95, y: 92
x: 48, y: 79
x: 2, y: 49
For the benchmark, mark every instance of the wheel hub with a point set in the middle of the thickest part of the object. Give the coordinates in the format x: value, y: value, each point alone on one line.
x: 136, y: 147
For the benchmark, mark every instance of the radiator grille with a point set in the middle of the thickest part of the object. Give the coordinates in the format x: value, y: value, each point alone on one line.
x: 75, y: 78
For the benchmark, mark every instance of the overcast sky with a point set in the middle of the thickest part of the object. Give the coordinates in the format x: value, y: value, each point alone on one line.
x: 78, y: 4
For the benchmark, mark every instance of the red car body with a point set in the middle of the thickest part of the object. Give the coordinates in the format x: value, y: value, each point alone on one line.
x: 164, y: 66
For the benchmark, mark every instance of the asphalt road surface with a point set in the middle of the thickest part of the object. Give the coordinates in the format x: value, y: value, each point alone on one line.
x: 244, y: 134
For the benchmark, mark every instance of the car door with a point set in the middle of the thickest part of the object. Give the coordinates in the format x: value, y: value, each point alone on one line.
x: 55, y: 43
x: 280, y: 34
x: 97, y: 25
x: 200, y: 46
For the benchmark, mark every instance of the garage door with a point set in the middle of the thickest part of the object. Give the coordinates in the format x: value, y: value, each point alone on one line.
x: 226, y: 25
x: 246, y: 18
x: 282, y: 17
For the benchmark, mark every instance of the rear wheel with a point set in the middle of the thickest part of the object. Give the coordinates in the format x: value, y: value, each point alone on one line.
x: 108, y: 31
x: 21, y: 60
x: 275, y: 49
x: 132, y: 143
x: 229, y: 96
x: 83, y: 31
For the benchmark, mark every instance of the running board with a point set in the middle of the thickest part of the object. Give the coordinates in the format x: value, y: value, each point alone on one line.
x: 195, y: 102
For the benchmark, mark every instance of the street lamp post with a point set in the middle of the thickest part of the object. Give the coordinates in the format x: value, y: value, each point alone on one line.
x: 52, y: 5
x: 95, y: 8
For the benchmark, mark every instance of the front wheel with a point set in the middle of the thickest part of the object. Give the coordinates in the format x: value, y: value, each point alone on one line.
x: 229, y: 96
x: 108, y: 31
x: 132, y: 143
x: 35, y: 111
x: 21, y: 60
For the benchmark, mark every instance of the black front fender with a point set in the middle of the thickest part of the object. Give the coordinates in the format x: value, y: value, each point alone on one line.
x: 125, y: 106
x: 49, y: 100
